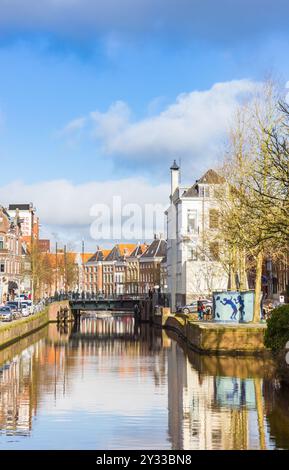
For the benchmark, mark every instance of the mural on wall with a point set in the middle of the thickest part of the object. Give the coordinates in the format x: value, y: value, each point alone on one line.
x: 233, y: 306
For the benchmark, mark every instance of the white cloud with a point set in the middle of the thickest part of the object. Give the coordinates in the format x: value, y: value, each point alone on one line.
x: 114, y: 121
x: 74, y: 126
x: 191, y: 128
x: 65, y: 208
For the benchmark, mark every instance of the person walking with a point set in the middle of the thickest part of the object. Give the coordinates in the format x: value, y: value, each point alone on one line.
x: 200, y: 308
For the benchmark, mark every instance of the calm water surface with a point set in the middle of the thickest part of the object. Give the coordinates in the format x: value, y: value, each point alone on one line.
x: 111, y: 384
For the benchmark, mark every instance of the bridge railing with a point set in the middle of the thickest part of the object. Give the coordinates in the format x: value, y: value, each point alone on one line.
x: 161, y: 299
x: 91, y: 296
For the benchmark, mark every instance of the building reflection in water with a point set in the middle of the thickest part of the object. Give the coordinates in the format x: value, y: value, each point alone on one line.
x: 47, y: 366
x: 220, y: 402
x: 198, y: 402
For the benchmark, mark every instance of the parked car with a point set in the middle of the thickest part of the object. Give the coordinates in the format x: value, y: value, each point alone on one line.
x: 14, y: 307
x: 29, y: 305
x: 193, y: 307
x: 25, y: 311
x: 6, y: 314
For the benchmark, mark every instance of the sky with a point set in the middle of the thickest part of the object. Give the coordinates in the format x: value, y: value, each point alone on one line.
x: 97, y: 98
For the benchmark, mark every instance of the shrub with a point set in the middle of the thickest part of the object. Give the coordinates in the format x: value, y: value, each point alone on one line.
x: 277, y: 333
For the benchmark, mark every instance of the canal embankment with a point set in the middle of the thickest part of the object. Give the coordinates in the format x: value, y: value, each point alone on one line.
x: 207, y: 337
x: 18, y: 329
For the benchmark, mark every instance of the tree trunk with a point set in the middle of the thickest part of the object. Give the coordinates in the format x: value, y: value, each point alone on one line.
x: 243, y: 273
x: 232, y: 272
x: 258, y: 287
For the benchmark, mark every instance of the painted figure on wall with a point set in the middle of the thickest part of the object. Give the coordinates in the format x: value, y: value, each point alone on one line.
x: 232, y: 304
x: 240, y: 301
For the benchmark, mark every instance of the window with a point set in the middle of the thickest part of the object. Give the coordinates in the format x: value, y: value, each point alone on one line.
x: 192, y: 220
x: 204, y: 191
x: 194, y: 254
x: 213, y: 218
x: 1, y: 243
x: 2, y: 267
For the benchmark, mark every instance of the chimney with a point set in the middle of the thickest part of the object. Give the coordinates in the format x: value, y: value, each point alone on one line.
x: 175, y: 176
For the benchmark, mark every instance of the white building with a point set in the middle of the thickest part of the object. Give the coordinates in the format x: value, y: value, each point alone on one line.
x: 28, y: 220
x: 193, y: 266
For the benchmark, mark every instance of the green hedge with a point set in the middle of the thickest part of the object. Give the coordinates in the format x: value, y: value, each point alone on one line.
x: 277, y: 333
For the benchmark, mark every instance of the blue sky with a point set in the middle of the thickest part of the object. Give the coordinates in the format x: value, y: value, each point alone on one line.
x: 112, y: 91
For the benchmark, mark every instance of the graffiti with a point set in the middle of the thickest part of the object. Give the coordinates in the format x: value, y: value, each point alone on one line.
x: 241, y: 303
x: 232, y: 304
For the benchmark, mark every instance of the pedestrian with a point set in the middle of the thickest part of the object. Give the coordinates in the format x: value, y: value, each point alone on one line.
x: 200, y: 308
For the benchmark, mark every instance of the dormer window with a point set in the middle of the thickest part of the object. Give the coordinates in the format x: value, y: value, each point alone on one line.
x: 204, y: 191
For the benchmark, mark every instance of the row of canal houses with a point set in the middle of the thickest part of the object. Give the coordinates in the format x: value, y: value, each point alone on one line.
x: 127, y: 268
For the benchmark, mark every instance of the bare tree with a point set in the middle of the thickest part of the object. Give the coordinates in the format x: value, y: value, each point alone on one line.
x: 246, y: 209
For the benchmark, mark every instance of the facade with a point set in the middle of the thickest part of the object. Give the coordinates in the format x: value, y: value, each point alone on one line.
x: 114, y: 269
x: 150, y: 265
x: 127, y: 268
x: 164, y: 275
x: 132, y: 273
x: 44, y: 245
x: 93, y: 272
x: 10, y: 255
x: 193, y: 266
x: 28, y: 220
x: 105, y: 271
x: 81, y: 259
x: 277, y: 278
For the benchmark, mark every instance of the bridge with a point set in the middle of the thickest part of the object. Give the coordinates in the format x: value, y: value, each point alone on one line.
x: 115, y: 304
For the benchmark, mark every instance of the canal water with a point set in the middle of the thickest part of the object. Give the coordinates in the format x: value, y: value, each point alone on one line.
x: 109, y: 383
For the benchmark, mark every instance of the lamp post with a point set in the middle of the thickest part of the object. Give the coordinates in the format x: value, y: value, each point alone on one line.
x: 82, y: 259
x: 65, y: 271
x: 56, y: 268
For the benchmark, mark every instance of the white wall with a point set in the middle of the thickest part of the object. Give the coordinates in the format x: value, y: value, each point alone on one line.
x: 187, y: 277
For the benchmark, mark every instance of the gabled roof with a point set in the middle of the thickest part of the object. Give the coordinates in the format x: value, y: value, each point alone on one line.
x: 97, y: 256
x: 138, y: 251
x: 158, y: 248
x: 126, y: 248
x: 210, y: 177
x: 120, y: 252
x: 192, y: 191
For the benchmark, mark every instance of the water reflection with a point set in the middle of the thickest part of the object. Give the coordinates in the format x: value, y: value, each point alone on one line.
x: 110, y: 383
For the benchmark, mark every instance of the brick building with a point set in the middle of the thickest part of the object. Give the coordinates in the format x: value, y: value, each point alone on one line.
x: 150, y: 265
x: 10, y: 255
